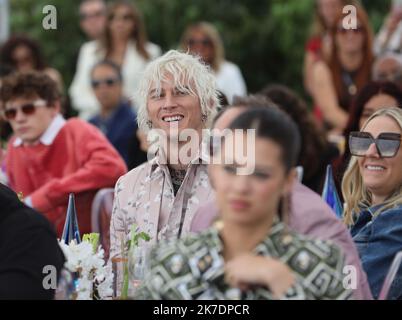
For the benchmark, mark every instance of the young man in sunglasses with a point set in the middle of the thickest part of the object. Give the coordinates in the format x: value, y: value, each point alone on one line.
x: 49, y: 157
x: 116, y: 118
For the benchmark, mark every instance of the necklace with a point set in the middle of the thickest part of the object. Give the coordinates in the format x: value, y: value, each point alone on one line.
x: 177, y: 177
x: 347, y: 78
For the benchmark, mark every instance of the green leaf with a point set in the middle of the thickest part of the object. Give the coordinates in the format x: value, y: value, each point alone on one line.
x: 92, y: 238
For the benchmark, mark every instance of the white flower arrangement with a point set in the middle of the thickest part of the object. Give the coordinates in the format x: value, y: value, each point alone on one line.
x: 95, y: 278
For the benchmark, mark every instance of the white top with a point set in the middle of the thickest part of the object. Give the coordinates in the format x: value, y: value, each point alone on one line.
x: 230, y: 81
x: 82, y: 96
x: 394, y: 43
x: 4, y: 21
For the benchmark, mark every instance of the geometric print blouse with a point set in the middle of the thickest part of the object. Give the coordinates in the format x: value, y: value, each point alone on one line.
x: 192, y: 268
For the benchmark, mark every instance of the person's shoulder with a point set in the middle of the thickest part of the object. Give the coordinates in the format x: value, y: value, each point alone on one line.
x: 125, y: 120
x: 321, y: 68
x: 75, y: 121
x: 390, y: 214
x: 317, y: 250
x: 314, y: 43
x: 16, y: 215
x: 153, y: 49
x: 306, y: 200
x: 310, y: 214
x: 23, y: 221
x: 10, y: 143
x: 89, y: 46
x: 77, y: 125
x: 137, y: 174
x: 229, y: 67
x: 126, y: 111
x: 395, y: 209
x: 314, y: 260
x: 83, y: 132
x: 94, y: 120
x: 308, y: 254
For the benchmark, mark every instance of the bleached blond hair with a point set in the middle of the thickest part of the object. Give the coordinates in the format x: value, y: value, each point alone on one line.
x: 354, y: 191
x: 189, y: 74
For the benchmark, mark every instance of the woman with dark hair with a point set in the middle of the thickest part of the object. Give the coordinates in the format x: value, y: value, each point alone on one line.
x: 337, y: 79
x: 373, y: 97
x: 319, y: 44
x: 23, y: 54
x: 316, y: 152
x: 125, y: 43
x: 234, y: 259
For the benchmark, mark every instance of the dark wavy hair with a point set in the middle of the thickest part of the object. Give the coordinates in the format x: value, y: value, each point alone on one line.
x: 366, y: 93
x: 6, y: 53
x: 363, y: 73
x: 313, y: 140
x: 27, y: 85
x: 274, y: 124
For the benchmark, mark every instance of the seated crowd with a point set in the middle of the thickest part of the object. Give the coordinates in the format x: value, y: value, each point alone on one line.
x: 229, y: 216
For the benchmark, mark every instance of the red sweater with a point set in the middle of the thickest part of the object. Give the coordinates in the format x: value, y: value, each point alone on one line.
x: 80, y: 160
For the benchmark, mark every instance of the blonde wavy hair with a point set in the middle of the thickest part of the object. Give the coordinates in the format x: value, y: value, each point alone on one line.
x: 211, y: 33
x: 353, y: 190
x: 189, y: 74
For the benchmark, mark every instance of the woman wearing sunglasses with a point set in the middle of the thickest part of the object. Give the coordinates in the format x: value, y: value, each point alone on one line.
x: 203, y: 39
x: 372, y: 189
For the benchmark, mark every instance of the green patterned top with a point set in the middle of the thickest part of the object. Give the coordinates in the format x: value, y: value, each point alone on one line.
x: 193, y: 268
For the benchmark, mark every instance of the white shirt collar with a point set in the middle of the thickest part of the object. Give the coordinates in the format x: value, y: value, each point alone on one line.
x: 50, y: 134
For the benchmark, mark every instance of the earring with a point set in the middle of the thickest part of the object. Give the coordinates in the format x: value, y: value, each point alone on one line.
x: 149, y: 124
x: 204, y: 117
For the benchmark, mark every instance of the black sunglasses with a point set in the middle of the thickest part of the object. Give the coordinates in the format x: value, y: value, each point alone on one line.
x: 204, y: 42
x: 96, y: 14
x: 342, y: 30
x: 124, y: 17
x: 108, y: 81
x: 387, y: 143
x: 27, y: 109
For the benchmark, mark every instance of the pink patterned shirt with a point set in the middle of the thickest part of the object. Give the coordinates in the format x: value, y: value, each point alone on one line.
x: 145, y: 196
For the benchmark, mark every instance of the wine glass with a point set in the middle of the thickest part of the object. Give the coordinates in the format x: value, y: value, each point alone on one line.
x: 137, y: 265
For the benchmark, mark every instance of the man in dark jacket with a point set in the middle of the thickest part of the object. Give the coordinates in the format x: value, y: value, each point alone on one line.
x: 28, y: 251
x: 116, y: 118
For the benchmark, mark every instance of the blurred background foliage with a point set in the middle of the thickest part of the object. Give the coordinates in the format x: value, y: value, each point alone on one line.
x: 264, y: 37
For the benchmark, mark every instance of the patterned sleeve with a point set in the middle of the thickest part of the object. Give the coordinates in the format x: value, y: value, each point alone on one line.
x: 319, y: 267
x: 157, y: 279
x: 334, y: 281
x: 169, y: 274
x: 118, y: 232
x: 117, y: 225
x: 148, y: 291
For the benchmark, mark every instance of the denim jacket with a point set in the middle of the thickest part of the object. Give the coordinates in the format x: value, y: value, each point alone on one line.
x: 378, y: 239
